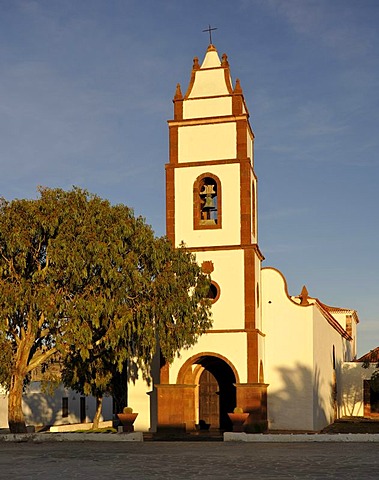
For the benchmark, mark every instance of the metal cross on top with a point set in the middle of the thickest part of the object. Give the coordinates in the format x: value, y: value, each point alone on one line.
x: 210, y: 30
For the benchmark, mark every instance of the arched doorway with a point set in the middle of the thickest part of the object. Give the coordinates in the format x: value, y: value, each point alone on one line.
x: 216, y: 391
x: 209, y: 405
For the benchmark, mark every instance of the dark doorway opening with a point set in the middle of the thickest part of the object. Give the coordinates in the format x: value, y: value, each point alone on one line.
x: 83, y: 413
x: 217, y: 392
x: 370, y: 399
x: 209, y: 405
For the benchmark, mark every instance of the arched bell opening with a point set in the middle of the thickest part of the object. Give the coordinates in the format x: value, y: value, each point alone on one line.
x: 215, y: 396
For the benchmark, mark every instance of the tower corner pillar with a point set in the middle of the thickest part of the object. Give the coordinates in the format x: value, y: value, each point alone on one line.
x: 252, y: 398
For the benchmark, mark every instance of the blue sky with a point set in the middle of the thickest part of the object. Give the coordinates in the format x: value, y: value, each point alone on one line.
x: 86, y: 89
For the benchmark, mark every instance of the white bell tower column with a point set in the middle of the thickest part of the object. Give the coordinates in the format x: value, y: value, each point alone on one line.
x: 211, y: 206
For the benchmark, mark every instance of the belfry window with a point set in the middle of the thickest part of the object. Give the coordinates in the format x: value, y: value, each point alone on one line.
x: 207, y: 204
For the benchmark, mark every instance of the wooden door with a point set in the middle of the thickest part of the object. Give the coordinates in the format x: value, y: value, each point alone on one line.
x: 209, y: 404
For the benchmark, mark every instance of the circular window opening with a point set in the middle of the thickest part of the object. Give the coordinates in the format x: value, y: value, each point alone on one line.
x: 214, y: 292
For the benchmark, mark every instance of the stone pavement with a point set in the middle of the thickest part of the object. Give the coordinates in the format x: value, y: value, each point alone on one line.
x: 188, y: 460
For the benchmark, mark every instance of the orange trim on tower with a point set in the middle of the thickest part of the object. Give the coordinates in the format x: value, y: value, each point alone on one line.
x: 252, y: 357
x: 173, y: 140
x: 249, y: 274
x: 246, y: 203
x: 237, y: 99
x: 195, y: 67
x: 170, y: 204
x: 178, y: 103
x: 242, y: 138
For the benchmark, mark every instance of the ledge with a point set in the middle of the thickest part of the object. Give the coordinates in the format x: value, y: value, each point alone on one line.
x: 71, y: 437
x: 300, y: 438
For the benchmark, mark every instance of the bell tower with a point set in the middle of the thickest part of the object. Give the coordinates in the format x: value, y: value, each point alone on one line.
x: 211, y: 206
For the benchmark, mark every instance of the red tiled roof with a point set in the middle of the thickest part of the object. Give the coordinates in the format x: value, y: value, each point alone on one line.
x: 331, y: 320
x: 371, y: 357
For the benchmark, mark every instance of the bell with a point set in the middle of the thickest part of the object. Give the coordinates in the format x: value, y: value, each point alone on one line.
x: 207, y: 190
x: 208, y: 202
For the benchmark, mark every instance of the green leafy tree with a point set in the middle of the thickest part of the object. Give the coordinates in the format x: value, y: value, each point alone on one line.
x: 88, y: 281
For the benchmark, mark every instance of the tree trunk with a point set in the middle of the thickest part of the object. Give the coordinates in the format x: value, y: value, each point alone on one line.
x: 96, y: 418
x: 16, y: 419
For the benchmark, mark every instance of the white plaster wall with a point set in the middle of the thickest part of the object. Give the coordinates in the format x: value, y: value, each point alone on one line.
x: 249, y: 146
x: 229, y: 234
x: 258, y: 318
x: 207, y: 142
x: 207, y: 107
x: 45, y: 408
x: 3, y: 410
x: 139, y: 399
x: 353, y: 344
x: 228, y: 310
x: 209, y: 83
x: 211, y: 59
x: 351, y: 347
x: 325, y: 337
x: 288, y: 356
x: 341, y: 318
x: 258, y: 294
x: 351, y: 388
x: 232, y: 346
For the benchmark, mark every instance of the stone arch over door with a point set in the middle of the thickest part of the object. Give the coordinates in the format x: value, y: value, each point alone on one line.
x: 215, y: 378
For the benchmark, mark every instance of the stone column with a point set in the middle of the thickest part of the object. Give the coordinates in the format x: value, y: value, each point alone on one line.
x: 176, y: 407
x: 252, y: 397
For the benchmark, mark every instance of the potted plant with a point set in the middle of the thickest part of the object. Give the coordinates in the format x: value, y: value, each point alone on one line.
x: 202, y: 425
x: 127, y: 418
x: 238, y: 418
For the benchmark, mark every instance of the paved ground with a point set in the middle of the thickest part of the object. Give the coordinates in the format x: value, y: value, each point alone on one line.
x: 188, y: 460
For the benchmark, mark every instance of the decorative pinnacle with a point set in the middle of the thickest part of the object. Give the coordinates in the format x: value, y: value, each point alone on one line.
x: 178, y: 93
x: 304, y: 296
x: 237, y: 88
x: 224, y: 62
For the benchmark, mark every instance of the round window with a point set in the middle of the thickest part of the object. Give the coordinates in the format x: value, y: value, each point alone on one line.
x: 214, y: 292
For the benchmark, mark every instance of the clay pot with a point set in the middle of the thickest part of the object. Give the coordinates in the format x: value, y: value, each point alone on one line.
x: 238, y: 420
x: 127, y: 420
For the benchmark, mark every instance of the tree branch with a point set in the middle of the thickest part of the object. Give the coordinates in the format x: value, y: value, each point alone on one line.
x: 39, y: 359
x: 41, y: 320
x: 44, y: 333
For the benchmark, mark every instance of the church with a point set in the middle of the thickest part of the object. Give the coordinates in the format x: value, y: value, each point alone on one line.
x: 288, y: 362
x: 280, y: 358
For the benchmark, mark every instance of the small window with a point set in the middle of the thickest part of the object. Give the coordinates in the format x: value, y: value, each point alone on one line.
x: 334, y: 357
x: 214, y: 292
x: 258, y: 299
x: 64, y: 407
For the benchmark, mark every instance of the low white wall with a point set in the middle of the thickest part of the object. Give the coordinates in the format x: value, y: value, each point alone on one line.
x: 351, y: 391
x: 45, y: 408
x: 3, y: 410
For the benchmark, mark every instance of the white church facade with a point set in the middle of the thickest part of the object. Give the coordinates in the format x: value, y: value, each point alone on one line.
x: 287, y: 361
x: 280, y: 358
